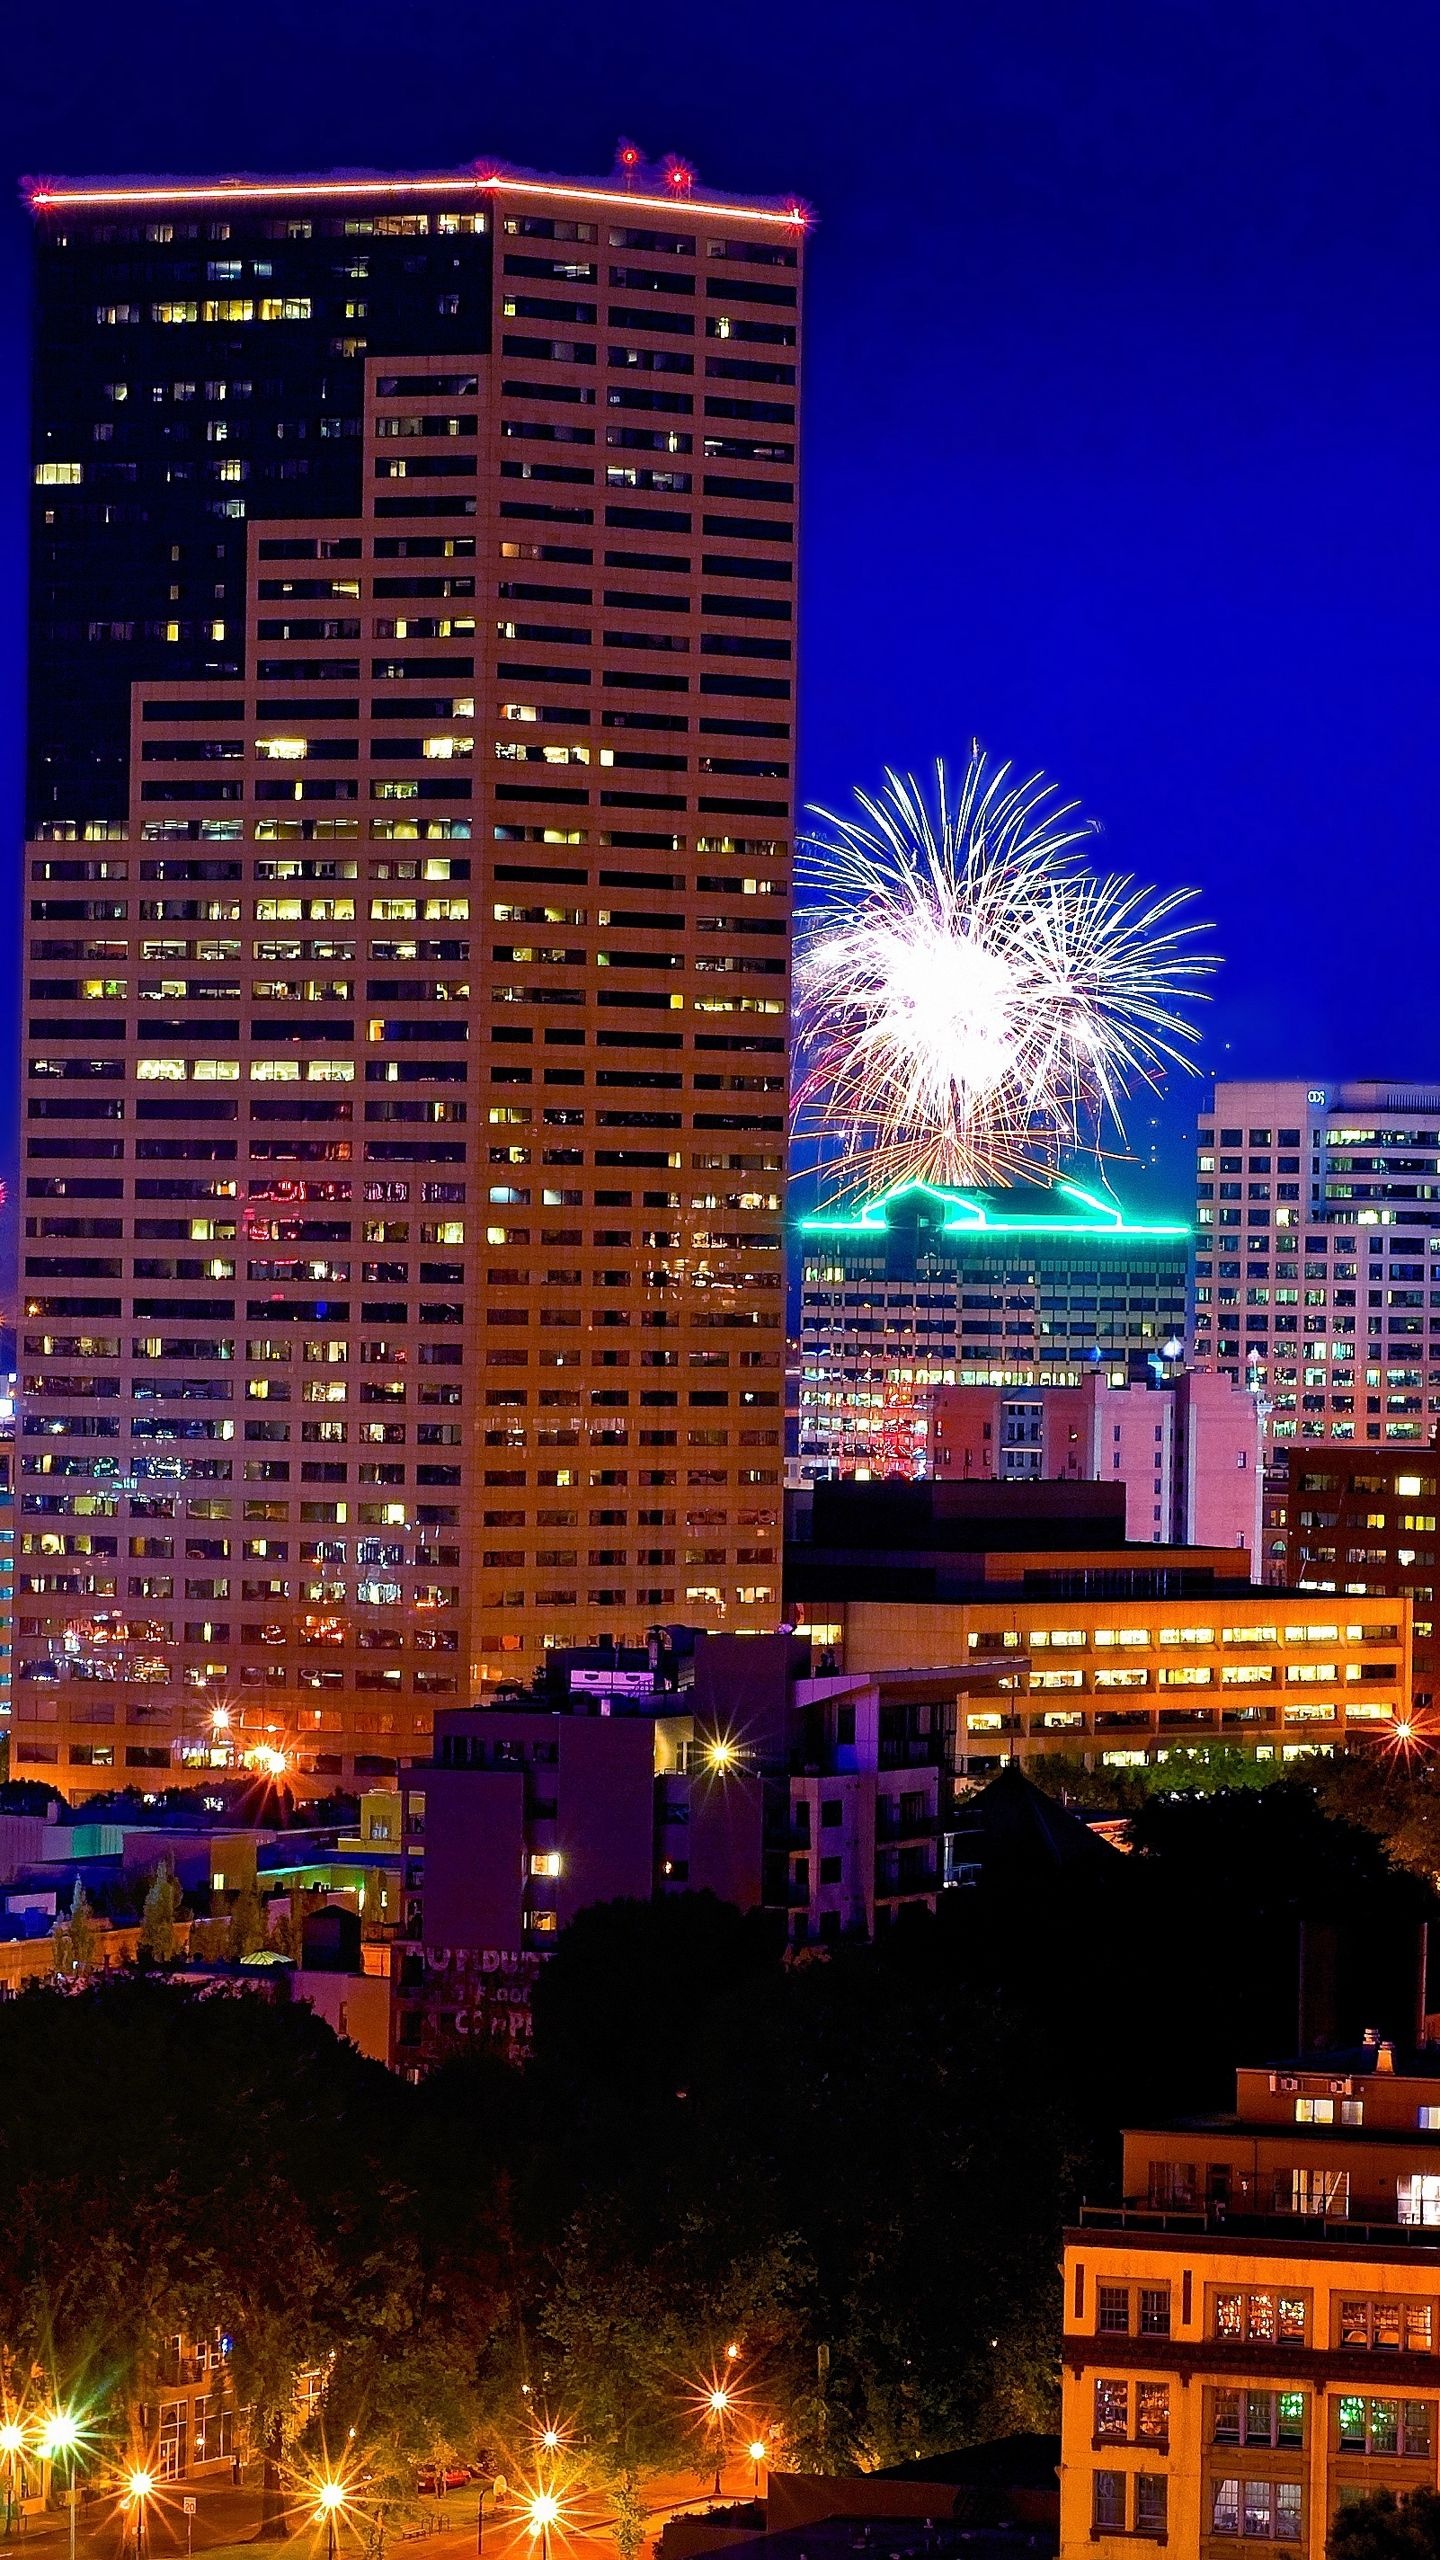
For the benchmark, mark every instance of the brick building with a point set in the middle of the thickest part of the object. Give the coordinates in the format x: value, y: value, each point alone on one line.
x: 1364, y: 1520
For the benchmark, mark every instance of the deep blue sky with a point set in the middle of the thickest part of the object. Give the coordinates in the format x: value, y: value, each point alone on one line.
x: 1122, y: 393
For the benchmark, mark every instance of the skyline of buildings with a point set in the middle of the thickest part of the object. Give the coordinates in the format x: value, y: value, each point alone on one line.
x: 408, y: 950
x: 407, y: 631
x: 805, y: 1692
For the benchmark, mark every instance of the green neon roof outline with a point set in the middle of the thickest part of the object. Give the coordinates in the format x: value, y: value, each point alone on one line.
x: 1106, y: 1217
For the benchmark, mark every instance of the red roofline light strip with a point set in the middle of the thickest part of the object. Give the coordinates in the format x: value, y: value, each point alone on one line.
x: 44, y: 198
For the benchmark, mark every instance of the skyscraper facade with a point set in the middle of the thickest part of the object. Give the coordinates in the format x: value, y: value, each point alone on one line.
x: 928, y: 1288
x: 407, y: 924
x: 1317, y: 1268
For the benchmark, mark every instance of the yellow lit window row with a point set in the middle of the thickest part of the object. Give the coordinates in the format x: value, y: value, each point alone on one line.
x: 233, y: 307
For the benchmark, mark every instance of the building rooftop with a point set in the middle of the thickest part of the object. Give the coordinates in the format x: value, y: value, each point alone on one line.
x: 1376, y: 2058
x: 1063, y: 1211
x: 670, y: 183
x: 955, y: 1515
x: 1010, y: 1824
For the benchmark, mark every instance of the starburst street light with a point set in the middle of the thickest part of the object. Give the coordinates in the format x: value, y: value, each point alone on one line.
x: 331, y: 2499
x: 721, y: 2407
x: 13, y: 2440
x: 1412, y: 1736
x: 541, y: 2511
x: 139, y: 2490
x: 972, y: 1000
x: 62, y: 2434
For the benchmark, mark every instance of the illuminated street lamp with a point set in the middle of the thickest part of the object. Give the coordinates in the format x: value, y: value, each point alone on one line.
x: 332, y: 2500
x: 61, y: 2436
x: 139, y: 2489
x: 718, y: 2403
x: 543, y: 2511
x: 722, y: 2408
x: 757, y: 2452
x: 12, y: 2446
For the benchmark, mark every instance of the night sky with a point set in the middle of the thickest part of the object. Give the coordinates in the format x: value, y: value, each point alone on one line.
x: 1122, y: 391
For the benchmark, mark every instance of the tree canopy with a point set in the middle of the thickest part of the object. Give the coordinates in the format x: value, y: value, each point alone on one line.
x: 851, y: 2164
x: 1387, y: 2527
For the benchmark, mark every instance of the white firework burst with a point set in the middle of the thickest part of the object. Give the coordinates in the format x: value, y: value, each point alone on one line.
x: 972, y: 1001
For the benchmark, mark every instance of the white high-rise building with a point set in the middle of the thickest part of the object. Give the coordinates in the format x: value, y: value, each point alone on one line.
x: 1317, y: 1262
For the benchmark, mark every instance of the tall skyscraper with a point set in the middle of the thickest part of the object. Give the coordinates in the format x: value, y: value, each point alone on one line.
x: 927, y: 1288
x: 1317, y: 1269
x: 407, y: 949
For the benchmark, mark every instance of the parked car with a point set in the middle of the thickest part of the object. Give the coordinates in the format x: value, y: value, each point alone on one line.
x: 433, y: 2481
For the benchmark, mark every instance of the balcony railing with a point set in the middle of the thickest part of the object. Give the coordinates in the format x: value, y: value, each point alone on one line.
x: 1372, y: 2219
x: 919, y: 1826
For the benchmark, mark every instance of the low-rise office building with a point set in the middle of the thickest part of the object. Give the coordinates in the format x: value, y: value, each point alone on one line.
x: 187, y: 2416
x: 1252, y: 2337
x: 1117, y: 1655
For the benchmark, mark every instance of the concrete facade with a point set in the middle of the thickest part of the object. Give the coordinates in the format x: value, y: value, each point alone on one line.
x: 407, y: 962
x: 1100, y: 1664
x: 1317, y: 1255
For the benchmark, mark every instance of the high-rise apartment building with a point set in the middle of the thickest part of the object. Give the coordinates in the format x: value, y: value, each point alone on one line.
x: 926, y: 1288
x: 1317, y: 1270
x: 407, y: 925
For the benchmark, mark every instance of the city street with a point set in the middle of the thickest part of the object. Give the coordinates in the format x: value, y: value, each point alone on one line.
x: 226, y: 2519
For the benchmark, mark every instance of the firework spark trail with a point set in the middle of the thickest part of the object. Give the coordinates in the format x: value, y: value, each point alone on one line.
x: 972, y: 1000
